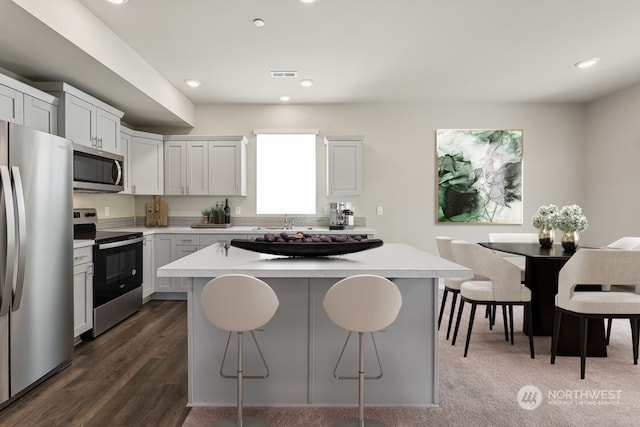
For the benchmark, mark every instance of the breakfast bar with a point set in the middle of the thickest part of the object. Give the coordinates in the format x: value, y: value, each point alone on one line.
x: 301, y: 345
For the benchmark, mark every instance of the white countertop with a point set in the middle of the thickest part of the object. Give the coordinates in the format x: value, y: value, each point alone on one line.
x: 82, y: 243
x: 393, y: 260
x: 243, y: 229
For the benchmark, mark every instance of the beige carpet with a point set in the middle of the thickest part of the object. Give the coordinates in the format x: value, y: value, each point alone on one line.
x: 482, y: 389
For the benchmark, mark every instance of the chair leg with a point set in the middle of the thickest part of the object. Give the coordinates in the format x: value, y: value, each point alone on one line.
x: 556, y: 333
x: 529, y: 315
x: 444, y: 300
x: 473, y: 314
x: 454, y: 300
x: 492, y: 316
x: 455, y: 331
x: 584, y: 326
x: 240, y: 372
x: 608, y: 335
x: 504, y: 321
x: 511, y: 321
x: 635, y: 332
x: 361, y: 378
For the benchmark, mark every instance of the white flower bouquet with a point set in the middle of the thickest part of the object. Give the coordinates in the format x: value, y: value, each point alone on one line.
x: 570, y: 218
x: 546, y: 217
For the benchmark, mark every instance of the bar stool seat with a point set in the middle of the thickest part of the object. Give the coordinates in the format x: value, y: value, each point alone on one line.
x: 362, y: 303
x: 239, y: 303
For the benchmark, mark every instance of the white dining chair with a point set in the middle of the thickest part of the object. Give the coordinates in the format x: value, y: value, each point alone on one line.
x: 502, y: 288
x: 451, y: 284
x: 518, y: 260
x: 598, y: 267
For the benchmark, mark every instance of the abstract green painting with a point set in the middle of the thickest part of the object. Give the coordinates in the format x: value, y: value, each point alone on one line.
x: 479, y: 176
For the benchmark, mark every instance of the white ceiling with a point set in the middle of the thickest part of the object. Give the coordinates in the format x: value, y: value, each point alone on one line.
x: 354, y: 50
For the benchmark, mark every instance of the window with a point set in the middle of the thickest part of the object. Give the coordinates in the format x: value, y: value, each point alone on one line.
x: 285, y: 173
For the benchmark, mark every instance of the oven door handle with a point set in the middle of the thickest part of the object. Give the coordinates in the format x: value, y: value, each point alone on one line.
x: 120, y: 243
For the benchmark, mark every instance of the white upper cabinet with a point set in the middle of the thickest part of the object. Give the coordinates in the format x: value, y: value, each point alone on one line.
x: 228, y: 167
x: 25, y: 105
x: 86, y: 120
x: 344, y: 165
x: 144, y: 162
x: 41, y: 115
x: 205, y: 165
x: 11, y: 105
x: 186, y: 168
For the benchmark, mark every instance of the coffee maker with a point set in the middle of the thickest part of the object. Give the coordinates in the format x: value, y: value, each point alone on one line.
x: 341, y: 216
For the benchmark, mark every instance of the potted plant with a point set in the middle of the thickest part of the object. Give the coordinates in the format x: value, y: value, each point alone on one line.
x: 545, y: 221
x: 570, y: 221
x: 206, y: 213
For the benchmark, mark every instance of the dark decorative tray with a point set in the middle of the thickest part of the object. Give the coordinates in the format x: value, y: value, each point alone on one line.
x: 302, y: 249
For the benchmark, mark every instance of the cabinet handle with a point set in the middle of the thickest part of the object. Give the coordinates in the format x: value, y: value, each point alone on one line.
x: 100, y: 143
x: 187, y: 189
x: 76, y: 258
x: 133, y: 189
x: 94, y: 141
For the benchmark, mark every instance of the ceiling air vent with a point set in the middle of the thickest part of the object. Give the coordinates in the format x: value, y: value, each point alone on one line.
x: 284, y: 74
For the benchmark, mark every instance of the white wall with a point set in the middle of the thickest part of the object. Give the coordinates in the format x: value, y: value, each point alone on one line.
x: 611, y: 167
x: 399, y: 157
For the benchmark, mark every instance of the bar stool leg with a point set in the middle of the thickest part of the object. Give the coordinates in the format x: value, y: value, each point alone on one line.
x: 360, y: 421
x: 240, y: 420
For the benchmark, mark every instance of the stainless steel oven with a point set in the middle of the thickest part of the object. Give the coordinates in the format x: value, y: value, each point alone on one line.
x: 117, y: 271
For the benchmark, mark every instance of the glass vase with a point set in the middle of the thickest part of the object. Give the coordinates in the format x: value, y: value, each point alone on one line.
x: 545, y: 237
x: 570, y: 241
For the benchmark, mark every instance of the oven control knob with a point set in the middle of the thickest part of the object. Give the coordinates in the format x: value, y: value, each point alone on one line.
x: 133, y: 272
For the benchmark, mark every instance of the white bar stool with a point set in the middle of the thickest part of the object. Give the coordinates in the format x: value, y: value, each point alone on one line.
x: 239, y: 303
x: 362, y: 303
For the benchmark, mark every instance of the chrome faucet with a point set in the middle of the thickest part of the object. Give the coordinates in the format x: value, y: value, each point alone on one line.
x: 288, y: 223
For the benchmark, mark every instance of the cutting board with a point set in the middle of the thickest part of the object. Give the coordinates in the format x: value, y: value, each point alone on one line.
x: 157, y: 212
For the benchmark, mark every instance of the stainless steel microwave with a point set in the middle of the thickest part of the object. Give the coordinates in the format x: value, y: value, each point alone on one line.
x: 97, y: 171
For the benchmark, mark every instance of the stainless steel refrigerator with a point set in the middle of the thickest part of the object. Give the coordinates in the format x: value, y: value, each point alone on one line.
x: 36, y: 258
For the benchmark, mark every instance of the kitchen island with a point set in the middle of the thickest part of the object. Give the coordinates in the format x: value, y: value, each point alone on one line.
x: 301, y: 344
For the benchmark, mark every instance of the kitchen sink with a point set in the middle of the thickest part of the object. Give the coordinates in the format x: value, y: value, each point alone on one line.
x: 292, y: 230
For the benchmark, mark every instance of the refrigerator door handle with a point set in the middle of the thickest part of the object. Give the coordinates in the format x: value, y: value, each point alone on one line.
x: 7, y: 198
x: 18, y: 271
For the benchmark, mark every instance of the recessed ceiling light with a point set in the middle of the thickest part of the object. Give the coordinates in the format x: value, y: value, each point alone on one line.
x: 193, y: 83
x: 258, y: 23
x: 284, y: 98
x: 307, y: 1
x: 587, y: 63
x: 118, y: 1
x: 306, y: 82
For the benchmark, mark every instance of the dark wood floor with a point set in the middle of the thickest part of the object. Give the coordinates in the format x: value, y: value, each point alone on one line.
x: 133, y: 375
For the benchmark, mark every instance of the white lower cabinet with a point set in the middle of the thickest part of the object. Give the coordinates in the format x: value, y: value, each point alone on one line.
x: 170, y: 247
x: 82, y: 290
x: 148, y: 273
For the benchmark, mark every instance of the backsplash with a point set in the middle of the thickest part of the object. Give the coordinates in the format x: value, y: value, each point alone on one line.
x: 261, y: 221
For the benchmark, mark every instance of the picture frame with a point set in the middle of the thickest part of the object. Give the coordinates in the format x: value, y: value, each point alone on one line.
x: 479, y: 176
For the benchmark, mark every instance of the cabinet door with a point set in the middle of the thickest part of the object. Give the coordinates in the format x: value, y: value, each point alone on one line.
x: 108, y: 131
x: 40, y: 115
x: 197, y: 168
x: 181, y: 284
x: 226, y: 169
x: 344, y: 168
x: 175, y: 165
x: 162, y: 248
x: 82, y: 298
x: 148, y: 274
x: 146, y: 166
x: 125, y: 146
x: 11, y: 105
x: 80, y: 121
